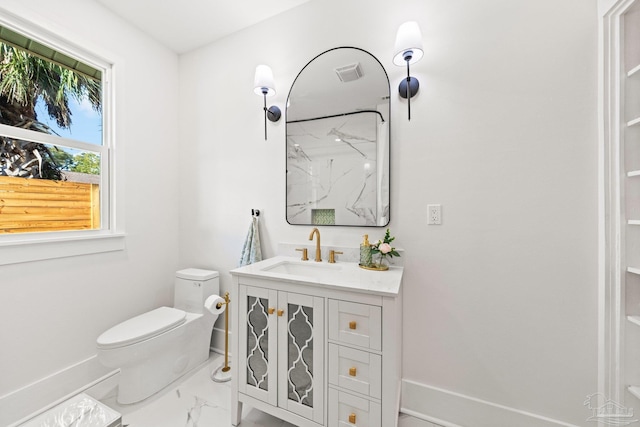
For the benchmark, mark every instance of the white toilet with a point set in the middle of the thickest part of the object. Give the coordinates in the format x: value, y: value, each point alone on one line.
x: 157, y: 347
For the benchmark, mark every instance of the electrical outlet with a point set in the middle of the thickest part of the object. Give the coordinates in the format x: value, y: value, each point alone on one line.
x: 434, y: 213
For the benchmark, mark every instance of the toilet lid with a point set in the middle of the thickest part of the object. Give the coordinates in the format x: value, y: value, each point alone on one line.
x: 142, y: 327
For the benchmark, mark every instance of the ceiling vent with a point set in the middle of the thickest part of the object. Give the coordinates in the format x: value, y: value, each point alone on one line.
x: 349, y: 73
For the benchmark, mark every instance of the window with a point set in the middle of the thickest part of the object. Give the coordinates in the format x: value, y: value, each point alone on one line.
x: 55, y: 144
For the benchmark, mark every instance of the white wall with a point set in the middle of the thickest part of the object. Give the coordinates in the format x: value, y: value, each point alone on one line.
x: 500, y: 300
x: 52, y: 311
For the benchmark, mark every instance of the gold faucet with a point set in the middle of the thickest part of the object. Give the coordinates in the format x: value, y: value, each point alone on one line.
x: 318, y: 253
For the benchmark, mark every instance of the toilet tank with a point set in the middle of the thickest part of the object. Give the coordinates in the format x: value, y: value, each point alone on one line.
x: 193, y: 286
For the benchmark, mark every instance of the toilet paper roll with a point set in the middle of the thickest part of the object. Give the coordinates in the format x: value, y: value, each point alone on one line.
x: 213, y: 302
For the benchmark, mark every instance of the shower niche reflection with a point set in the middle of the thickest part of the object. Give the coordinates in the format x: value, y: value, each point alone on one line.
x: 338, y: 141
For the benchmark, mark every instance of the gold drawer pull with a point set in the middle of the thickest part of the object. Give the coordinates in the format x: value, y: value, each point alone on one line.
x: 352, y: 324
x: 352, y: 372
x: 280, y: 312
x: 352, y: 418
x: 271, y: 310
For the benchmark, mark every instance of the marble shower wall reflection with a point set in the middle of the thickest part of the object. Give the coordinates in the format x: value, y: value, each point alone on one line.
x: 337, y: 171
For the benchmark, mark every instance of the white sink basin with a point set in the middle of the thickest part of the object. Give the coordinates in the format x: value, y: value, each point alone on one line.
x: 341, y: 275
x: 302, y: 268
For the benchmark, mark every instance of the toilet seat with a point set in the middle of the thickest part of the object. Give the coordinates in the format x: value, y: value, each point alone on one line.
x: 142, y: 327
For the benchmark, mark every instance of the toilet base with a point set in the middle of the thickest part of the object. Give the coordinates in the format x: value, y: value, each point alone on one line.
x: 143, y: 380
x: 156, y: 348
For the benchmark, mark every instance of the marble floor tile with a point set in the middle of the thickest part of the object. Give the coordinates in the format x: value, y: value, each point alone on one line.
x: 405, y: 420
x: 197, y: 401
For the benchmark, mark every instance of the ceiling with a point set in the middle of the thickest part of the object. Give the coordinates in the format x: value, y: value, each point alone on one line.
x: 185, y: 25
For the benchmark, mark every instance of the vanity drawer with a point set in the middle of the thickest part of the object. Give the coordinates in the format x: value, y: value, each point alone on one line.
x: 347, y: 410
x: 355, y: 324
x: 355, y: 370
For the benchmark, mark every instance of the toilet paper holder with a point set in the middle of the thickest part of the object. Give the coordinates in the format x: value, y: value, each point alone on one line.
x: 226, y: 302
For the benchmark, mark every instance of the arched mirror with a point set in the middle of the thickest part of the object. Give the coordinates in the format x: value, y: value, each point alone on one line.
x: 338, y: 141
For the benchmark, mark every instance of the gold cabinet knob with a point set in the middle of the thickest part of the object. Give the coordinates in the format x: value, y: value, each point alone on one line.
x: 352, y: 324
x: 352, y: 372
x: 352, y: 418
x: 280, y: 312
x: 271, y: 310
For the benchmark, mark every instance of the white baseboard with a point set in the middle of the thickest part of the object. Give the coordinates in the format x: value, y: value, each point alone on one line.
x: 217, y: 341
x: 31, y: 400
x: 450, y: 409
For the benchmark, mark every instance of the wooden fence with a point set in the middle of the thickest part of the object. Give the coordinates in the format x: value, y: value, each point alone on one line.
x: 29, y: 205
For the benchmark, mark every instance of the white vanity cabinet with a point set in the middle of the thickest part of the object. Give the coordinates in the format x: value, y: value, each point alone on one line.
x: 321, y: 351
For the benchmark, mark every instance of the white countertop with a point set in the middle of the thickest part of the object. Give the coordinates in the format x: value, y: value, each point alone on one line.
x: 341, y: 275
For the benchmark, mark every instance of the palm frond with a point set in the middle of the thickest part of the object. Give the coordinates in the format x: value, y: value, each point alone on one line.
x: 24, y: 79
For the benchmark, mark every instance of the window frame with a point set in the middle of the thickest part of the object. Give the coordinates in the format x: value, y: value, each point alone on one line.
x: 33, y: 246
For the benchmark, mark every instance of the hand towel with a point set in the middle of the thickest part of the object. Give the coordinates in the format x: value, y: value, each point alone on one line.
x: 251, y: 251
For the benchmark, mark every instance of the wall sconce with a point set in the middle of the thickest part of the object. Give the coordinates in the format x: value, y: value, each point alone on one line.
x: 408, y: 50
x: 263, y: 85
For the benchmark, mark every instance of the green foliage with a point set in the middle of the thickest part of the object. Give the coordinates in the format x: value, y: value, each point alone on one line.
x: 83, y: 162
x: 24, y: 79
x: 86, y: 163
x: 63, y: 159
x: 375, y: 248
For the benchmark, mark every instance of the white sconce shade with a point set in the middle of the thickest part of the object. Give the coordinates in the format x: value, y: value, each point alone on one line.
x: 263, y: 85
x: 408, y: 38
x: 408, y: 50
x: 264, y: 81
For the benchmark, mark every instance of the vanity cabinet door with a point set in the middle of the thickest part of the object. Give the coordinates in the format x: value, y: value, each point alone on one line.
x: 300, y: 355
x: 258, y: 348
x: 281, y: 340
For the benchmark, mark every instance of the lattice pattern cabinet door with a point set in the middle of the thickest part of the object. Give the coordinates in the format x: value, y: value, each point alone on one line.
x: 300, y: 355
x: 258, y: 333
x: 282, y: 346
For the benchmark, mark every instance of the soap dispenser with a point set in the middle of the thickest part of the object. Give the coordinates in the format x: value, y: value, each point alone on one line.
x: 365, y: 252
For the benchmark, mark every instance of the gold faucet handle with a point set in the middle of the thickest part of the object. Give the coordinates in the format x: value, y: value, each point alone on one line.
x: 305, y: 254
x: 332, y: 256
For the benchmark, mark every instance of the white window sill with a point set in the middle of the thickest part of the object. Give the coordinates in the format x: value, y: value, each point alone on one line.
x: 15, y: 249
